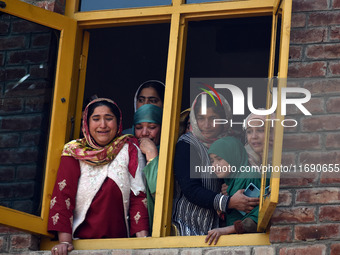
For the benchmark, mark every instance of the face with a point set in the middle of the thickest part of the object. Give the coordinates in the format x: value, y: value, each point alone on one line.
x: 255, y: 138
x: 206, y: 124
x: 221, y: 166
x: 103, y: 125
x: 149, y: 96
x: 148, y: 130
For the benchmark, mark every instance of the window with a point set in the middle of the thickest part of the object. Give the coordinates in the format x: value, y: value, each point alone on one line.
x: 175, y: 23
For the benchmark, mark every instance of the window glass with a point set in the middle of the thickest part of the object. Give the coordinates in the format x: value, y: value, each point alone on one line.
x: 221, y: 52
x: 89, y: 5
x: 27, y: 68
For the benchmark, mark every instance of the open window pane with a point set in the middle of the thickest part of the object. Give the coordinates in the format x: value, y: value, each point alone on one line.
x: 28, y: 62
x: 89, y: 5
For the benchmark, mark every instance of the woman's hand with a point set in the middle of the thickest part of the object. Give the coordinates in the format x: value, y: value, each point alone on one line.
x: 148, y: 148
x: 65, y: 244
x: 143, y: 233
x: 215, y: 234
x: 224, y: 189
x: 62, y: 248
x: 241, y: 202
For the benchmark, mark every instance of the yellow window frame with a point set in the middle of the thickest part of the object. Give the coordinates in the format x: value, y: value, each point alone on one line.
x: 70, y: 85
x: 60, y: 110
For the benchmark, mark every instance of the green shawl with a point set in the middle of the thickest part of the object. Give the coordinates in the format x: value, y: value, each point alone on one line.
x: 231, y: 150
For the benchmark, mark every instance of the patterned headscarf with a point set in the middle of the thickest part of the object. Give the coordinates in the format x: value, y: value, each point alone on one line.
x: 86, y: 149
x: 194, y: 126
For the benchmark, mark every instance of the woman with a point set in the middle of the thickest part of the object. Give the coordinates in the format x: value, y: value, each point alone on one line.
x: 228, y: 156
x: 197, y: 196
x: 255, y: 137
x: 99, y: 182
x: 149, y: 92
x: 147, y: 128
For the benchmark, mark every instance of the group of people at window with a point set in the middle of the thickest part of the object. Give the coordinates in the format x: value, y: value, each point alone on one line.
x: 106, y: 182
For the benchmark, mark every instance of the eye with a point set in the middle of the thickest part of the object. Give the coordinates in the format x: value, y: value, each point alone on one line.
x: 141, y: 99
x: 138, y: 127
x: 152, y: 127
x: 154, y: 101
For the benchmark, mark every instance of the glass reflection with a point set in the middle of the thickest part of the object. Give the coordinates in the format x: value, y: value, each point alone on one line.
x: 28, y: 54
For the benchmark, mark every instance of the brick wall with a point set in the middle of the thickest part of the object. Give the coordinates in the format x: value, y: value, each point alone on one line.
x: 307, y: 219
x: 51, y: 5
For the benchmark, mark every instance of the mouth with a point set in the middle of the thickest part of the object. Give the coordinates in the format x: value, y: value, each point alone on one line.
x: 256, y: 144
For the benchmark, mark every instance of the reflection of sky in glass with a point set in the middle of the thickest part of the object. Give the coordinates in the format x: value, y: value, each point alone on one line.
x: 90, y: 5
x: 205, y: 1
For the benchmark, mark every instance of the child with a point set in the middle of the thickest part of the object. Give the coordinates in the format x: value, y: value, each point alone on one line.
x: 228, y: 156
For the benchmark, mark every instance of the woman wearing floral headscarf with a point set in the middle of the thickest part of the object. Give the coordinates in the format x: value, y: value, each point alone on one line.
x: 197, y: 195
x: 99, y: 183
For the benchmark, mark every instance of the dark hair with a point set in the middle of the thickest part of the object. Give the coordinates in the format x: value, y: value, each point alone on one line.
x: 218, y: 109
x: 156, y: 85
x: 114, y: 109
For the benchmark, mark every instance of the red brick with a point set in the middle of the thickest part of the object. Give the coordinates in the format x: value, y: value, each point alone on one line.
x: 47, y: 5
x: 294, y: 215
x: 330, y: 177
x: 19, y: 242
x: 324, y: 18
x: 23, y: 206
x: 323, y: 86
x: 311, y: 69
x: 333, y: 105
x: 13, y: 42
x: 298, y: 20
x: 285, y: 198
x: 280, y: 234
x: 9, y: 140
x: 19, y: 155
x: 324, y: 51
x: 31, y: 139
x: 333, y: 140
x: 7, y: 173
x: 15, y: 73
x: 295, y: 53
x: 288, y: 158
x: 29, y: 88
x: 334, y: 68
x: 27, y: 172
x: 298, y: 178
x: 317, y: 232
x: 330, y: 157
x: 335, y: 249
x: 27, y: 57
x: 4, y: 27
x: 310, y: 5
x: 39, y: 71
x: 24, y: 26
x: 320, y: 123
x: 24, y: 122
x: 329, y: 213
x: 324, y: 195
x: 318, y: 249
x: 334, y: 33
x: 314, y: 35
x: 35, y: 104
x: 41, y: 40
x: 11, y: 105
x: 301, y: 141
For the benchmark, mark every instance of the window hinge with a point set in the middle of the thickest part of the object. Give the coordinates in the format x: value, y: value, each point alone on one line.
x: 82, y: 62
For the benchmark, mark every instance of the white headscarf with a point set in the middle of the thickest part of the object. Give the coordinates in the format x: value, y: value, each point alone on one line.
x: 140, y: 86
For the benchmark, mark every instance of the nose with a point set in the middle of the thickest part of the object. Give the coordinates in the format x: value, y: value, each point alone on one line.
x: 103, y: 123
x: 207, y: 123
x: 254, y: 134
x: 145, y: 132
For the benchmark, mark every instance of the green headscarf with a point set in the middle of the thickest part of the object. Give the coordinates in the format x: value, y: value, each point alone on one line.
x: 231, y: 150
x: 148, y: 113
